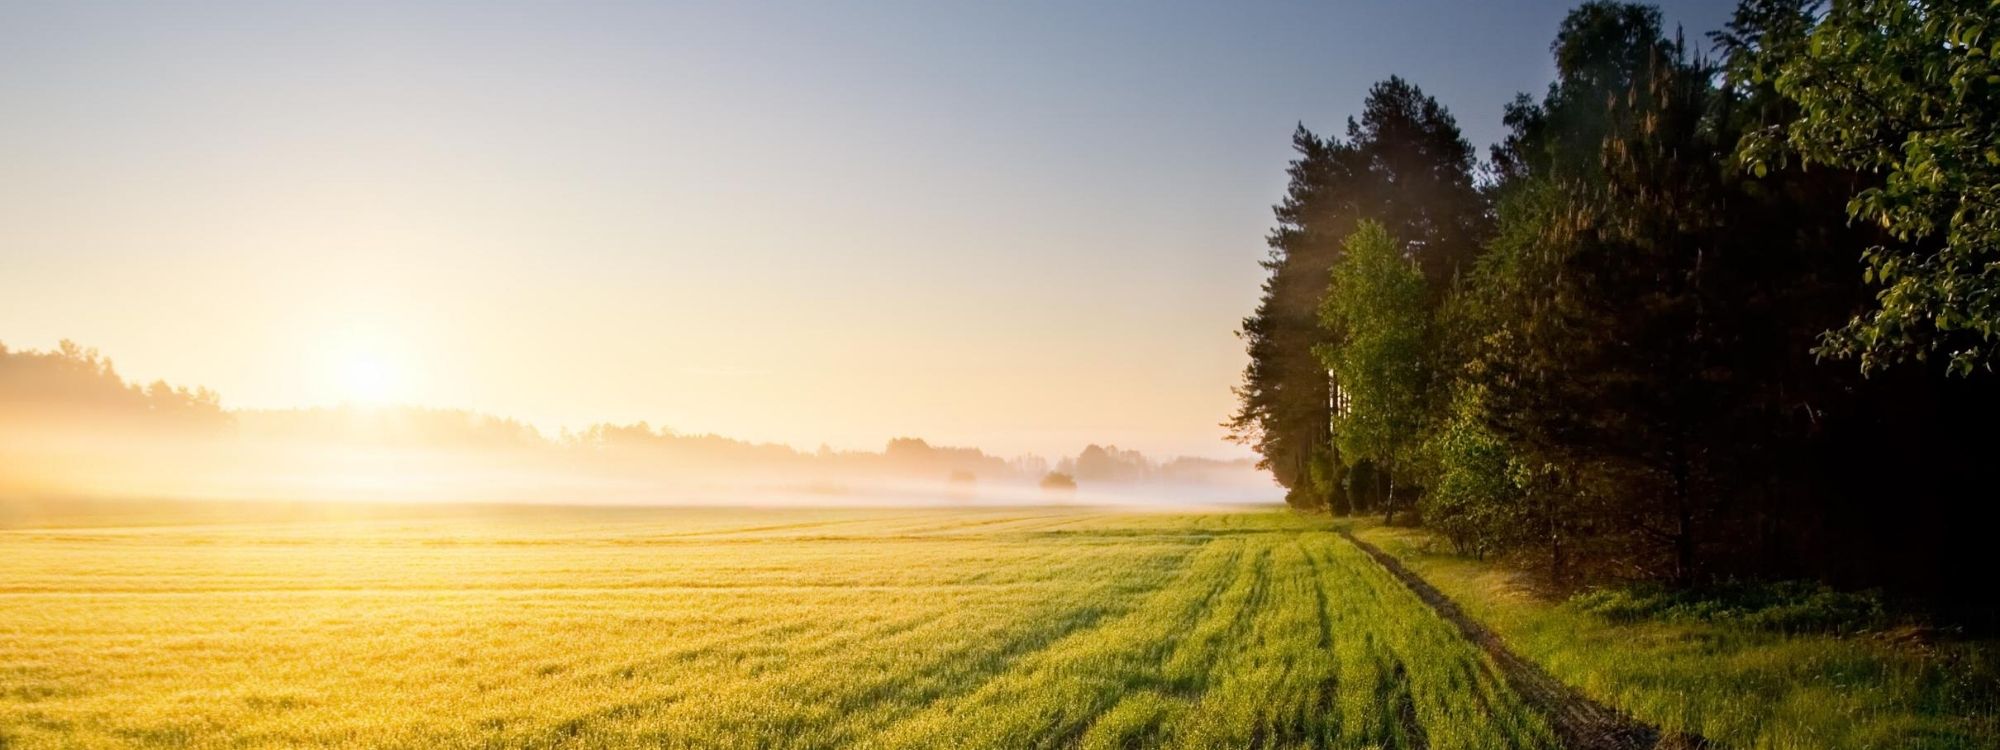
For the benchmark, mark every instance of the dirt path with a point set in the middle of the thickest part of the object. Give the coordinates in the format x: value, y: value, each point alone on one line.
x: 1581, y: 723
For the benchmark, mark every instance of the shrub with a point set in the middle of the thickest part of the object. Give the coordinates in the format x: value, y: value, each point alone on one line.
x: 1783, y: 606
x: 1057, y: 480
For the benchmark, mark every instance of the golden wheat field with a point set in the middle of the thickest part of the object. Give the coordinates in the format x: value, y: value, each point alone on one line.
x: 539, y: 627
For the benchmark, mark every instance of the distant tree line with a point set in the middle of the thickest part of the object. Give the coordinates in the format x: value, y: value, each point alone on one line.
x: 74, y: 385
x: 72, y: 403
x: 1702, y: 314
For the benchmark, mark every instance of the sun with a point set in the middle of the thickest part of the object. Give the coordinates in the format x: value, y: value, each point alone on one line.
x: 367, y: 379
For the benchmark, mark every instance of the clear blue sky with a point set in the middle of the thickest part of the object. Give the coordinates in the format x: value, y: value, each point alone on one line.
x: 1021, y: 225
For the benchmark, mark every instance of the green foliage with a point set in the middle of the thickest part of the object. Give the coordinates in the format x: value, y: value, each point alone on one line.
x: 1621, y: 311
x: 1329, y: 478
x: 1910, y: 91
x: 1473, y: 499
x: 1376, y: 312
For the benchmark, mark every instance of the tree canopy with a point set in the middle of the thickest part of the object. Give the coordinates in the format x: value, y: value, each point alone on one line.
x: 1404, y: 164
x: 1910, y: 91
x: 1655, y: 341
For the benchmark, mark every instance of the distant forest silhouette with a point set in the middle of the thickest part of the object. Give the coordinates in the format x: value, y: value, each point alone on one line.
x: 70, y: 422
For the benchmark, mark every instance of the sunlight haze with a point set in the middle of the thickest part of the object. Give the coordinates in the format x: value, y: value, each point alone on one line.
x: 1024, y: 228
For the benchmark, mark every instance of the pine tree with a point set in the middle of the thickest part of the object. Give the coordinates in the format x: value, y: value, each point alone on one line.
x: 1403, y: 163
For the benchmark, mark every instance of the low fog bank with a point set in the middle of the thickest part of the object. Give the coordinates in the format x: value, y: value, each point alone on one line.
x: 71, y: 426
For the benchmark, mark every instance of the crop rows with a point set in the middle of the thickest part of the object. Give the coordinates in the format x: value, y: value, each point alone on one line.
x: 822, y: 628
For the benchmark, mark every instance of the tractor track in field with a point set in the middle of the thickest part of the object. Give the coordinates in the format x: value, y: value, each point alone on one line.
x: 1579, y: 722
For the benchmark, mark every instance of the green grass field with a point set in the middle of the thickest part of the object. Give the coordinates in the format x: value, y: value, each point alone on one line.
x: 706, y: 628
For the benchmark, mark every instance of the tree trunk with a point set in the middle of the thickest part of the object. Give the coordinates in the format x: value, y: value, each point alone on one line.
x: 1555, y: 541
x: 1684, y: 549
x: 1389, y: 502
x: 1684, y: 546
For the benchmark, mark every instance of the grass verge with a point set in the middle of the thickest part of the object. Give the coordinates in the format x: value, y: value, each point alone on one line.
x: 1729, y: 680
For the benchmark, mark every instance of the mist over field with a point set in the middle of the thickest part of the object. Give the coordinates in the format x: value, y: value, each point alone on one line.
x: 70, y: 425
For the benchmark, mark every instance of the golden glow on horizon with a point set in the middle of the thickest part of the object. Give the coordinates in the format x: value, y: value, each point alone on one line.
x: 299, y: 229
x: 365, y: 366
x: 367, y: 379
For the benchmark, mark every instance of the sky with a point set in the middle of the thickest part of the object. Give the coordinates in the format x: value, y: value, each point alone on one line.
x: 1024, y: 226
